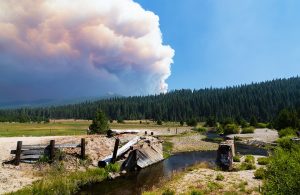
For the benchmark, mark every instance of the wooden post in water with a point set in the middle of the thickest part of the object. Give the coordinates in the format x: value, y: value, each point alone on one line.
x: 152, y: 133
x: 52, y: 150
x: 176, y: 130
x: 82, y: 148
x: 18, y: 153
x: 114, y: 157
x: 145, y: 132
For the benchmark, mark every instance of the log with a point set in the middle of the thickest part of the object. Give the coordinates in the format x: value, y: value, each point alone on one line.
x: 18, y: 153
x: 117, y: 132
x: 121, y: 151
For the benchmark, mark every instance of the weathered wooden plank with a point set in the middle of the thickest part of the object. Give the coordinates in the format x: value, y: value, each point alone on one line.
x: 28, y: 152
x: 28, y: 147
x: 37, y: 156
x: 29, y: 161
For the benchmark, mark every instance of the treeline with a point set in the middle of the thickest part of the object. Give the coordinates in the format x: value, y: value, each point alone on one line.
x: 260, y: 100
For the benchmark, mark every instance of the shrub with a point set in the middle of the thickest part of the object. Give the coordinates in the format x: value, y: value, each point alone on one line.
x: 200, y: 129
x: 283, y: 172
x: 120, y: 120
x: 253, y: 121
x: 248, y: 130
x: 192, y: 122
x: 220, y: 177
x: 159, y: 122
x: 261, y: 125
x: 196, y: 192
x: 287, y: 132
x: 263, y: 161
x: 168, y: 192
x: 285, y: 142
x: 259, y: 173
x: 231, y: 129
x: 114, y: 168
x: 250, y: 159
x: 181, y: 123
x: 211, y: 122
x: 247, y: 166
x: 236, y: 158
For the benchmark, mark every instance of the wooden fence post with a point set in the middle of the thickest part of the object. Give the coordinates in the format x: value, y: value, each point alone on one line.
x: 114, y: 158
x: 18, y: 153
x: 82, y: 148
x: 52, y: 150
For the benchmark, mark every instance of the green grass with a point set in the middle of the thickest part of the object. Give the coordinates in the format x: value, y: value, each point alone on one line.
x: 63, y: 183
x: 47, y: 129
x: 71, y: 127
x: 167, y: 148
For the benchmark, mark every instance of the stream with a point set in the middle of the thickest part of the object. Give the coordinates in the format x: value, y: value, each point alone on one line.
x: 137, y: 182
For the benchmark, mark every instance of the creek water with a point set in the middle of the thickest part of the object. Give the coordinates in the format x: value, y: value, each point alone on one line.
x: 137, y: 182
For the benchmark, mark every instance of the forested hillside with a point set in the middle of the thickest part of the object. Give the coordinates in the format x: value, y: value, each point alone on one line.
x: 262, y: 100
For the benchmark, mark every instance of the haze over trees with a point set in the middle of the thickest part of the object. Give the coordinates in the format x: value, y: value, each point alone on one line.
x: 258, y: 101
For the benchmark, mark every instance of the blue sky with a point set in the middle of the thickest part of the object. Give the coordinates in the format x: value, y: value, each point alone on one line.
x: 229, y: 42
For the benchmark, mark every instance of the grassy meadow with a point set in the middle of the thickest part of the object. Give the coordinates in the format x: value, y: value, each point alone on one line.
x: 71, y: 127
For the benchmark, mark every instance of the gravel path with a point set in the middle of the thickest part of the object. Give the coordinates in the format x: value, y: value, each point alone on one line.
x: 264, y: 135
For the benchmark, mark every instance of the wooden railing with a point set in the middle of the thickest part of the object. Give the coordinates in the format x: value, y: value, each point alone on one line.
x: 32, y: 153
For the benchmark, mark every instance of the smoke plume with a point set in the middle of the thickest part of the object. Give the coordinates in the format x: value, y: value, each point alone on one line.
x: 76, y: 48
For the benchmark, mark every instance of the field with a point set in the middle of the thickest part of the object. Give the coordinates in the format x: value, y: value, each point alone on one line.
x: 71, y: 127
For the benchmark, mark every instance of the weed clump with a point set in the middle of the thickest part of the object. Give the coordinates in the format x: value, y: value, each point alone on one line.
x: 220, y: 177
x: 263, y: 161
x: 260, y: 173
x: 236, y: 158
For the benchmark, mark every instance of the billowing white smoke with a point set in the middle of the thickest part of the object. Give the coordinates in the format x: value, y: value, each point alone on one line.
x: 66, y: 48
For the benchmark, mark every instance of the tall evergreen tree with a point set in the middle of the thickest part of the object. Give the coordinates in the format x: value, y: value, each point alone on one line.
x: 99, y: 124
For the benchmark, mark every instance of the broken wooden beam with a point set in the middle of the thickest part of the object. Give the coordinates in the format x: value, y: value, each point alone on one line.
x: 121, y: 151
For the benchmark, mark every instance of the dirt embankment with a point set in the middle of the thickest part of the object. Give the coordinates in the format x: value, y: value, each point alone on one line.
x: 13, y: 177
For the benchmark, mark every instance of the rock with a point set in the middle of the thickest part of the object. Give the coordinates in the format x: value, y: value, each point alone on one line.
x: 113, y: 175
x: 123, y: 172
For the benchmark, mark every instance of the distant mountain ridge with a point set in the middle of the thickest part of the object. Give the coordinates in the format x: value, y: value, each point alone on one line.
x: 52, y: 102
